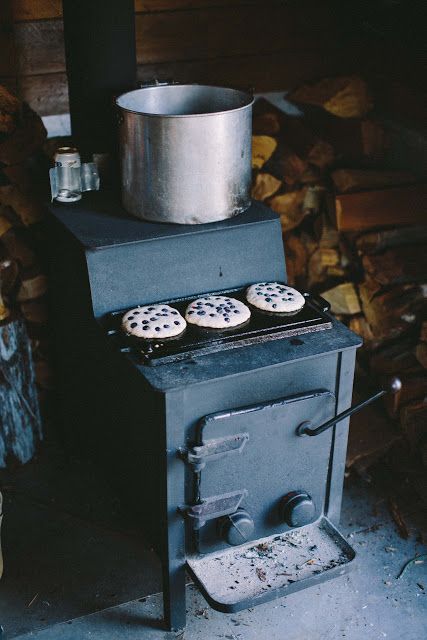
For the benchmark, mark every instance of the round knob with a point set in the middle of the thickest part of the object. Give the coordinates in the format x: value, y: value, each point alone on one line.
x: 237, y: 528
x: 298, y: 508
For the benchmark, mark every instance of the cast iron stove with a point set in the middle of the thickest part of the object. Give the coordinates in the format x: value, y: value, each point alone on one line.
x: 208, y: 433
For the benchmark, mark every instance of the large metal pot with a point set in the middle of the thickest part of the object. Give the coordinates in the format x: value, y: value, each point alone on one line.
x: 185, y: 152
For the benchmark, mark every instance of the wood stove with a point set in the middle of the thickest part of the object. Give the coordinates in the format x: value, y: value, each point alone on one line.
x: 214, y: 431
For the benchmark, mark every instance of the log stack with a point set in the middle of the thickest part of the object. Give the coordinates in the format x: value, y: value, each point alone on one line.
x: 355, y: 231
x: 22, y: 178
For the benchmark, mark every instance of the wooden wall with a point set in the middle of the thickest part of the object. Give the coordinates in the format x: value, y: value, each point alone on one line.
x: 264, y: 44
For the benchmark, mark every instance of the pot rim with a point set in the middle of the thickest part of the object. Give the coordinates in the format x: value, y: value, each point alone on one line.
x: 248, y: 96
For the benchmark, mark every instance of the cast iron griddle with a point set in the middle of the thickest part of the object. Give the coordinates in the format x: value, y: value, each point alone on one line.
x: 196, y: 341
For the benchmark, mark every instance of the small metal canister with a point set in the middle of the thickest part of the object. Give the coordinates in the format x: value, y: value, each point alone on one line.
x: 69, y: 177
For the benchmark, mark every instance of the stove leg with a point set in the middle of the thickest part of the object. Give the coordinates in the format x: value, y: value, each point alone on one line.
x: 174, y: 605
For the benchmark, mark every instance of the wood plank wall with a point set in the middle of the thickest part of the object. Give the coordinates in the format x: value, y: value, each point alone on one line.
x: 264, y: 44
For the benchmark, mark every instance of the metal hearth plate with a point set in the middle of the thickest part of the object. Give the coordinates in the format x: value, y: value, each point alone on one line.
x: 273, y: 567
x: 196, y: 341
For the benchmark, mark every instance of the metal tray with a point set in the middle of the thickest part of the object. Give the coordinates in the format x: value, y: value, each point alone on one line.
x: 273, y: 567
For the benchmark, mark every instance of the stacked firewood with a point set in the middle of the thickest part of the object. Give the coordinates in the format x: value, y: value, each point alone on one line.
x: 355, y: 232
x: 23, y: 170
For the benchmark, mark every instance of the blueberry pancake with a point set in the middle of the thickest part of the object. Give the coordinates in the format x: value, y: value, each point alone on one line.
x: 217, y: 312
x: 153, y: 321
x: 275, y: 297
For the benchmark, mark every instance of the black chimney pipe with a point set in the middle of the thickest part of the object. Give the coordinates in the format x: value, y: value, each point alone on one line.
x: 100, y: 54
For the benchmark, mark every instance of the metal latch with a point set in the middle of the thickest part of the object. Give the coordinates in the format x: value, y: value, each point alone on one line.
x: 199, y: 455
x: 214, y: 507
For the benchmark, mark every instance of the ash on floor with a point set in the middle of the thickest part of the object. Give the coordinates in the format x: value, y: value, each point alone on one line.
x: 67, y: 555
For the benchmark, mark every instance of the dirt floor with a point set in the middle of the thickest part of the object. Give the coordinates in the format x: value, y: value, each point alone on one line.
x: 73, y: 557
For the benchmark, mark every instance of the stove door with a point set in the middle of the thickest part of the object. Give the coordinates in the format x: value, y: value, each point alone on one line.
x: 277, y: 479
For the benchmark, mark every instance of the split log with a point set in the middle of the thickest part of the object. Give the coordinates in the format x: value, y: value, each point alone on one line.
x: 421, y: 354
x: 324, y: 265
x: 299, y: 146
x: 27, y: 209
x: 344, y: 97
x: 290, y: 207
x: 371, y: 436
x: 350, y: 180
x: 306, y: 143
x: 343, y: 299
x: 413, y: 388
x: 288, y: 165
x: 413, y: 421
x: 364, y: 142
x: 1, y: 518
x: 359, y: 325
x: 262, y: 149
x: 296, y: 260
x: 390, y: 313
x: 398, y: 358
x: 20, y: 423
x: 9, y: 111
x: 27, y: 138
x: 265, y: 186
x: 377, y: 241
x: 266, y: 118
x: 399, y: 206
x: 398, y: 265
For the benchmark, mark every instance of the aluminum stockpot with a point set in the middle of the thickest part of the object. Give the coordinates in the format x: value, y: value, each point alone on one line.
x: 185, y: 152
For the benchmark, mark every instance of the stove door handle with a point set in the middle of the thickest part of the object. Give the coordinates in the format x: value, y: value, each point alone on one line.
x: 305, y: 428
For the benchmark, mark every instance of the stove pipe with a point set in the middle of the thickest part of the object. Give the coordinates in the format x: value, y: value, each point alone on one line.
x: 100, y: 51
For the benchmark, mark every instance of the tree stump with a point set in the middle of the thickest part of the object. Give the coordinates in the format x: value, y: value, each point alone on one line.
x: 20, y: 421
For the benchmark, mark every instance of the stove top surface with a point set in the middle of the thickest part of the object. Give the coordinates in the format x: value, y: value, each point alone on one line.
x: 99, y: 221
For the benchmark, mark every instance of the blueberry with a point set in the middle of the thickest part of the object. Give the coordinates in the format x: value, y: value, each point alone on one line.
x: 274, y: 306
x: 201, y: 313
x: 150, y: 308
x: 134, y: 324
x: 174, y: 313
x: 153, y: 319
x: 227, y: 309
x: 165, y: 326
x: 157, y: 328
x: 212, y: 315
x: 145, y: 322
x: 269, y: 288
x: 164, y: 310
x: 130, y: 318
x: 145, y: 328
x: 226, y: 318
x: 268, y: 299
x: 136, y: 313
x: 235, y: 311
x: 176, y: 321
x: 146, y: 313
